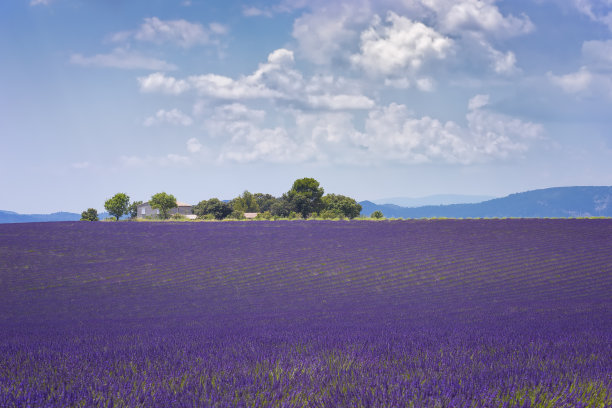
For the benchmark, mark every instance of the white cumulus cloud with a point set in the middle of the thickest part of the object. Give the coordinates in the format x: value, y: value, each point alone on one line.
x: 180, y: 32
x: 598, y: 53
x: 277, y: 79
x: 158, y: 82
x: 399, y: 46
x: 123, y: 59
x: 575, y: 82
x: 478, y: 101
x: 457, y: 16
x: 597, y: 10
x: 391, y: 133
x: 173, y: 117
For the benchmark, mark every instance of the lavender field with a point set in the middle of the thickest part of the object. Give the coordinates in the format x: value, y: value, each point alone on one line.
x: 423, y: 313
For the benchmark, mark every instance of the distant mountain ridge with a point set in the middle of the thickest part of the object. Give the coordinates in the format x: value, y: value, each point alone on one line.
x: 438, y: 199
x: 582, y: 201
x: 8, y: 217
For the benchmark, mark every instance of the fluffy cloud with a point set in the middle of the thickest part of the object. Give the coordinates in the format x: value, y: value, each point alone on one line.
x: 597, y: 10
x: 277, y: 79
x: 402, y: 45
x: 478, y: 101
x: 584, y: 82
x: 477, y: 15
x: 250, y: 143
x: 329, y: 34
x: 173, y: 117
x: 593, y: 78
x: 40, y: 2
x: 501, y: 63
x: 255, y: 12
x: 341, y: 33
x: 180, y: 32
x: 245, y: 138
x: 598, y: 53
x: 391, y: 133
x: 159, y: 82
x: 169, y: 160
x: 123, y: 59
x: 575, y: 82
x: 194, y: 145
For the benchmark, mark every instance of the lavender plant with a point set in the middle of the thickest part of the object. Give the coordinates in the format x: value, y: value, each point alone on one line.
x: 428, y: 313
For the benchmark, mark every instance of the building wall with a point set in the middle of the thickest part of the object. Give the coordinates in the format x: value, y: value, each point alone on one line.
x: 145, y: 210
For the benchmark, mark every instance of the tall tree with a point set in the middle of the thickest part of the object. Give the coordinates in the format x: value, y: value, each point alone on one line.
x: 91, y: 214
x: 245, y: 203
x: 341, y: 205
x: 264, y: 201
x: 214, y: 206
x: 281, y: 207
x: 117, y: 205
x: 163, y: 202
x: 305, y: 196
x: 133, y: 209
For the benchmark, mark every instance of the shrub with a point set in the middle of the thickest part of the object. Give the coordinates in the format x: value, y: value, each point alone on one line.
x: 377, y: 215
x: 91, y: 214
x: 266, y: 215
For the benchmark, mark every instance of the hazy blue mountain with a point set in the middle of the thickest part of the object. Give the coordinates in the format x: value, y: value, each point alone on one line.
x: 438, y: 199
x: 549, y: 202
x: 7, y: 217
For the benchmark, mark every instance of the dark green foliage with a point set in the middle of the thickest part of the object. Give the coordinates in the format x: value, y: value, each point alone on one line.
x: 236, y: 215
x: 266, y: 215
x: 117, y: 206
x: 281, y: 207
x: 213, y: 207
x: 341, y: 206
x: 377, y: 214
x: 265, y: 201
x: 305, y: 196
x: 163, y: 202
x: 245, y: 203
x: 91, y: 214
x: 133, y: 209
x: 331, y: 214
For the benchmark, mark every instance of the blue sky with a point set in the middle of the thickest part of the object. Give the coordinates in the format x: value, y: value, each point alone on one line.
x: 374, y: 99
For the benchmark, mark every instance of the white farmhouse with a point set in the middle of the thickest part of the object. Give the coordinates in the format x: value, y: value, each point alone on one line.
x: 146, y: 211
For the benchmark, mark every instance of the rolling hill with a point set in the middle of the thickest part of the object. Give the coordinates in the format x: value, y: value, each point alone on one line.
x: 562, y: 202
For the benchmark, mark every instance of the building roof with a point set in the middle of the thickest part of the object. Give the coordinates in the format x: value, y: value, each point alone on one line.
x: 178, y: 204
x: 250, y: 215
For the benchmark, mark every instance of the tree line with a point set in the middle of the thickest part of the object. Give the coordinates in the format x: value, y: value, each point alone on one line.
x: 305, y: 199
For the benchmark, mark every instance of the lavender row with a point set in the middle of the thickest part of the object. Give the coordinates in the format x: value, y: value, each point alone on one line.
x: 302, y: 313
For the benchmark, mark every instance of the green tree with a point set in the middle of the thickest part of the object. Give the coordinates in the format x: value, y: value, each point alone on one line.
x: 281, y: 207
x: 342, y: 205
x: 215, y: 207
x: 163, y: 202
x: 245, y: 203
x: 117, y: 205
x: 91, y: 214
x: 264, y: 201
x: 377, y: 214
x: 305, y: 196
x: 133, y: 209
x: 236, y: 215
